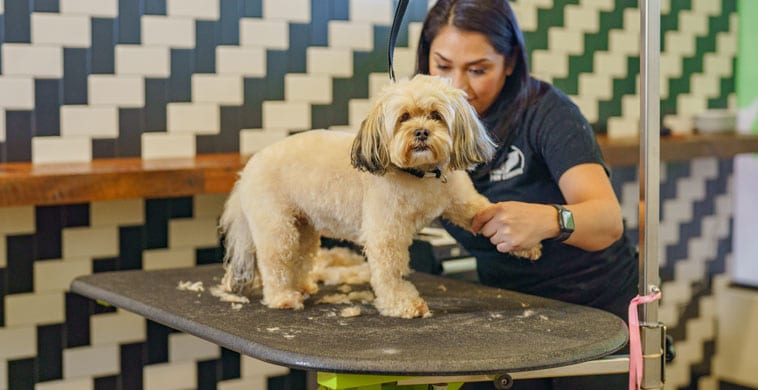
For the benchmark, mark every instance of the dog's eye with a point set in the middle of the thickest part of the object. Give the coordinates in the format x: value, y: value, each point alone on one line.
x: 435, y: 115
x: 405, y: 117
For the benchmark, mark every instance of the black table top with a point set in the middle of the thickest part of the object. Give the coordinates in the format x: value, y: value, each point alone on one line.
x: 474, y: 329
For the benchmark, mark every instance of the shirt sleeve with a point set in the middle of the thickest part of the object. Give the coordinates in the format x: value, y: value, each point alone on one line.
x: 564, y: 138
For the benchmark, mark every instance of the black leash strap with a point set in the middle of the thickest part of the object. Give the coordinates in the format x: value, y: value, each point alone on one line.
x: 402, y: 5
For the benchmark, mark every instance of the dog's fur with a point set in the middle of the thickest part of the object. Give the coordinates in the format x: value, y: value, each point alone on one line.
x: 352, y: 187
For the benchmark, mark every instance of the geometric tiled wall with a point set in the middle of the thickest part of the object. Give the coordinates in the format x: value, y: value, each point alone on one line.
x: 85, y: 79
x: 695, y: 239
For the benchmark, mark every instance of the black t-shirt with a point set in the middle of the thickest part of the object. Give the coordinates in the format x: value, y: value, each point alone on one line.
x: 552, y: 137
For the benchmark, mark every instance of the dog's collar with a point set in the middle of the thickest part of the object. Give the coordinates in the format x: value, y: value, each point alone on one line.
x: 435, y: 173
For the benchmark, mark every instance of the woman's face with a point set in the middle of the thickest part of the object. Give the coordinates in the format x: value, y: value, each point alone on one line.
x: 472, y: 63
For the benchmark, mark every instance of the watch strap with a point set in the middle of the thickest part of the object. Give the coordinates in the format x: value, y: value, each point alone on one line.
x: 565, y: 232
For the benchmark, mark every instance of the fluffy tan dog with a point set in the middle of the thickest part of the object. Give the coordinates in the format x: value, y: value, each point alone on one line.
x: 405, y: 167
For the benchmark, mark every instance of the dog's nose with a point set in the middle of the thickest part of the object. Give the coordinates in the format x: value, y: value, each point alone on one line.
x: 421, y: 134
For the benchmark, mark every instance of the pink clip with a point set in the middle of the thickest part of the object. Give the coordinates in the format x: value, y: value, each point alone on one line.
x: 635, y: 343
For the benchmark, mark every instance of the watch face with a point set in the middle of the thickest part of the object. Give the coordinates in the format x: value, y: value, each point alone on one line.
x: 568, y: 220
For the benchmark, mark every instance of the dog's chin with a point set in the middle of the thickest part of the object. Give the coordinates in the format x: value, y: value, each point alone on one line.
x: 422, y: 157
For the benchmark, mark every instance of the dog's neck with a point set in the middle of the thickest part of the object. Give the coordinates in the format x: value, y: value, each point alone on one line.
x: 432, y: 173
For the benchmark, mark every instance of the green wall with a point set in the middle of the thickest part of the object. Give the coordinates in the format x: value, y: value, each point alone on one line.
x: 747, y: 63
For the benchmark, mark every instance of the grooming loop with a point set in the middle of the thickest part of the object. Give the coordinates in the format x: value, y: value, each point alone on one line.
x: 654, y: 337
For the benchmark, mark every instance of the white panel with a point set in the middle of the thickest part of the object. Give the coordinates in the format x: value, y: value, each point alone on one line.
x: 290, y: 115
x: 168, y: 258
x: 192, y: 232
x: 162, y: 145
x: 241, y: 61
x: 2, y: 125
x: 16, y: 220
x: 89, y: 121
x: 330, y: 61
x: 16, y: 93
x: 173, y: 376
x: 3, y: 363
x: 120, y: 327
x: 34, y: 309
x: 196, y: 9
x: 97, y: 8
x: 547, y: 64
x: 18, y: 342
x: 308, y: 88
x: 358, y: 36
x: 143, y: 61
x: 117, y: 212
x: 744, y: 267
x: 565, y: 41
x: 38, y: 61
x: 120, y: 91
x: 271, y: 34
x: 197, y: 118
x: 183, y: 347
x: 61, y: 149
x: 357, y: 109
x: 255, y: 367
x: 90, y: 241
x: 164, y: 31
x: 92, y: 361
x: 291, y: 10
x: 595, y: 85
x: 57, y: 29
x: 581, y: 18
x: 3, y: 256
x: 57, y: 275
x: 212, y: 88
x: 377, y: 82
x: 247, y: 383
x: 253, y: 140
x: 66, y: 384
x: 209, y: 205
x: 372, y: 11
x: 737, y: 336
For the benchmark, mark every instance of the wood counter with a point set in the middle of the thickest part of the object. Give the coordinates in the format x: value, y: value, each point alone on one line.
x: 124, y: 178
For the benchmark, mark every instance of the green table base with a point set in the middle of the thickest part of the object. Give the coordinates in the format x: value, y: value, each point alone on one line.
x: 334, y: 381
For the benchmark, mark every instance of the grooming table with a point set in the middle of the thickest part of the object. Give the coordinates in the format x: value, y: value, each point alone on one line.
x: 475, y: 333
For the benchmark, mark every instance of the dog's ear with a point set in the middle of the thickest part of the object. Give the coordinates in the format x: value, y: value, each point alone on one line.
x: 369, y: 152
x: 472, y: 144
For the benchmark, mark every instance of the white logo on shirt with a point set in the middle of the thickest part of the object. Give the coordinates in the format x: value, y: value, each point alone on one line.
x: 512, y: 167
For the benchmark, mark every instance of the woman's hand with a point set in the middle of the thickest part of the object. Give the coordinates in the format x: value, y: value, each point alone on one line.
x: 513, y: 226
x: 589, y: 195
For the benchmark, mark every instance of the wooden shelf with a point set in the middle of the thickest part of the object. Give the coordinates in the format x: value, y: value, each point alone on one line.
x: 626, y: 152
x: 125, y: 178
x: 119, y: 178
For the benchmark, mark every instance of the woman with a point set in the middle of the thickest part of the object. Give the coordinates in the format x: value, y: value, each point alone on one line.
x: 548, y: 169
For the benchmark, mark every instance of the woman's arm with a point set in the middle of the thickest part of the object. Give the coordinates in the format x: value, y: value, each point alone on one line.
x: 590, y: 197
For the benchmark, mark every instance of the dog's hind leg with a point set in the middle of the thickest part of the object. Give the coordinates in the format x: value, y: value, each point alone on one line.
x: 310, y: 242
x: 277, y: 240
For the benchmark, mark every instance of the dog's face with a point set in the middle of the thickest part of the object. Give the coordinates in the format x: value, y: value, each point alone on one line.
x: 422, y: 123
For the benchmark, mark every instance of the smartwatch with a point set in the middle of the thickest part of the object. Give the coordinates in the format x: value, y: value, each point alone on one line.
x: 565, y: 222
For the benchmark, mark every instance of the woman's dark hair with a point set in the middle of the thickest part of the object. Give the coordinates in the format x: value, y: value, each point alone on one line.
x: 496, y: 21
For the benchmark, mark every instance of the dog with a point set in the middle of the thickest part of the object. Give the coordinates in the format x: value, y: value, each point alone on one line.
x: 405, y: 167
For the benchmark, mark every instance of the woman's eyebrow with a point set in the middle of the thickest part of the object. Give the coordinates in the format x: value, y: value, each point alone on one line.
x: 474, y: 62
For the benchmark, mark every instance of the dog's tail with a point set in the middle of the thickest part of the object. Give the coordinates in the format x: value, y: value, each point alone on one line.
x: 239, y: 258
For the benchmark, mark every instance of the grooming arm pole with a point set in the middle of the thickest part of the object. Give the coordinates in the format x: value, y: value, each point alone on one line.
x: 651, y: 330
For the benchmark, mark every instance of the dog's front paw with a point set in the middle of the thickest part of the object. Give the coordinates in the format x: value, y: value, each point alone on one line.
x: 404, y: 308
x: 532, y: 253
x: 284, y: 300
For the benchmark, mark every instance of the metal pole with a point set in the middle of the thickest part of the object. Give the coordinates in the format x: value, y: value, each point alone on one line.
x: 652, y: 332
